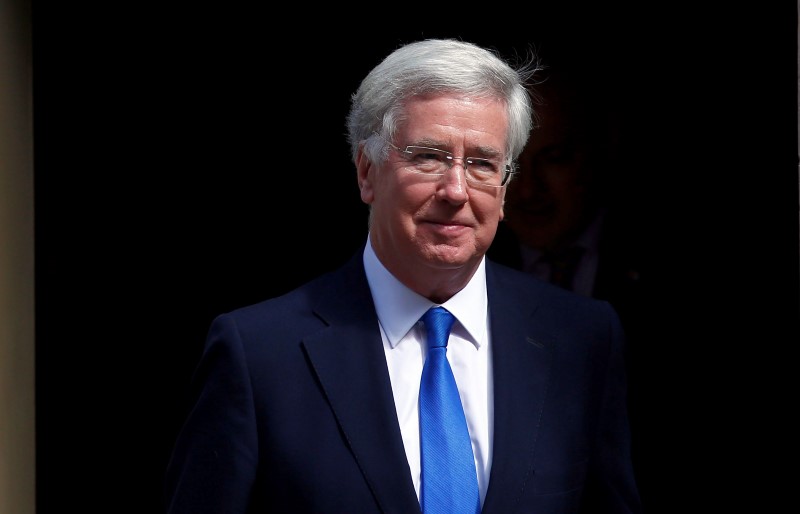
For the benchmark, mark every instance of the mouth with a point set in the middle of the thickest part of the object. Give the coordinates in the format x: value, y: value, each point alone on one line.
x: 447, y: 223
x: 447, y: 227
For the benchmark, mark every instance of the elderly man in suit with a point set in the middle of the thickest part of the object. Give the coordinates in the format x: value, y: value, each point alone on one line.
x: 419, y: 377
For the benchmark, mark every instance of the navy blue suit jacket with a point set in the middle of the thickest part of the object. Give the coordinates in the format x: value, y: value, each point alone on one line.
x: 293, y: 408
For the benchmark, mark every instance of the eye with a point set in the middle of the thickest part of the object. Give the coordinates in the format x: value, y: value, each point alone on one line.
x: 428, y: 160
x: 482, y: 166
x: 421, y: 154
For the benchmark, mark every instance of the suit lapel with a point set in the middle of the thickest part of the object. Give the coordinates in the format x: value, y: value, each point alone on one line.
x: 521, y: 356
x: 349, y: 361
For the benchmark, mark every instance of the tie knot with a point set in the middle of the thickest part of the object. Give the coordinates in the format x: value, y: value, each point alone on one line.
x: 438, y: 322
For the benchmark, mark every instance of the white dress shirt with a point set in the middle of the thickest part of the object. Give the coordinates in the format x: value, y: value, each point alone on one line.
x: 468, y: 351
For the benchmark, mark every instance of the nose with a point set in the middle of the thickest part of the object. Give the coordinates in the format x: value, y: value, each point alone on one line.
x: 453, y: 185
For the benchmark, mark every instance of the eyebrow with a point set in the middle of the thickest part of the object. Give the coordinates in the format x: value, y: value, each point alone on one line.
x: 487, y: 152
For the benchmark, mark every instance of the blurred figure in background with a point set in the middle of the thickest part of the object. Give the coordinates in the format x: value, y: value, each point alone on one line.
x: 570, y: 215
x: 561, y: 222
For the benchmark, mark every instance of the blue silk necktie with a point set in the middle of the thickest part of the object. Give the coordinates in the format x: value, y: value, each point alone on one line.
x: 449, y: 482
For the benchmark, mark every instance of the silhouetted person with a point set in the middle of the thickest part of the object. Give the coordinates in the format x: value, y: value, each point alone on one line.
x: 567, y: 216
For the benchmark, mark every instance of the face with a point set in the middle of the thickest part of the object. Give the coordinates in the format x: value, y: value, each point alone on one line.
x: 426, y: 230
x: 552, y: 200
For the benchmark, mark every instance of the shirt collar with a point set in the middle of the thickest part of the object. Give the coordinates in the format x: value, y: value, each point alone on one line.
x: 399, y: 308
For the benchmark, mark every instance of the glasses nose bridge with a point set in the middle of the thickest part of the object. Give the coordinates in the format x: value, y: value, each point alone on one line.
x: 461, y: 179
x: 453, y: 160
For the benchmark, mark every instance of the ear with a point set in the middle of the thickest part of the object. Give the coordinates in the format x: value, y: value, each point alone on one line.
x: 503, y: 202
x: 366, y: 174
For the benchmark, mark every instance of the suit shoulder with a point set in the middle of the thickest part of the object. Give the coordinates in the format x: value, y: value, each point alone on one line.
x: 532, y: 290
x: 521, y: 283
x: 302, y: 301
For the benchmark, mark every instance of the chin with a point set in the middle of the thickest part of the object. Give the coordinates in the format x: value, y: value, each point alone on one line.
x: 450, y: 257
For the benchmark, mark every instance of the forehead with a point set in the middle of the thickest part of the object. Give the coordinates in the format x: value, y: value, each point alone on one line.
x: 455, y: 119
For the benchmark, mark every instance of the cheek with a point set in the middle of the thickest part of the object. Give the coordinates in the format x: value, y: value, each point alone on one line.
x: 490, y: 209
x: 405, y: 192
x: 397, y: 201
x: 376, y: 187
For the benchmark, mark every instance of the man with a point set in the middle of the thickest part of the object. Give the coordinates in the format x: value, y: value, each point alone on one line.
x: 317, y: 401
x: 564, y: 211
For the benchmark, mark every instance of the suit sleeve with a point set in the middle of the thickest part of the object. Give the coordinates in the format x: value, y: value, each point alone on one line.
x: 213, y: 465
x: 611, y: 488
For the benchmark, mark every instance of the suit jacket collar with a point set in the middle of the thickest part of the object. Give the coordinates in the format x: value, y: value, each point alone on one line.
x: 349, y: 361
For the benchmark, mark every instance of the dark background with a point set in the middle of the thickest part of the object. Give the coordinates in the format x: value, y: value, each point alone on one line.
x: 192, y: 160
